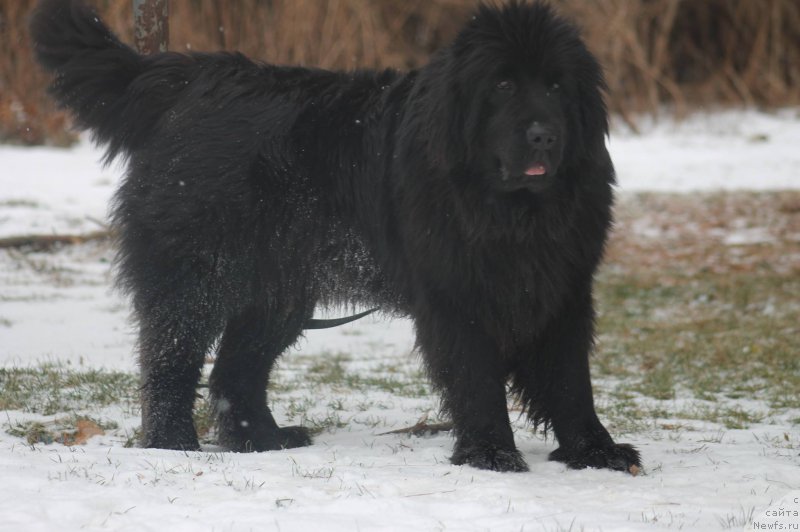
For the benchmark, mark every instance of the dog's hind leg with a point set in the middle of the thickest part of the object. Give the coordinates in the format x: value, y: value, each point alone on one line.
x: 250, y: 345
x: 177, y: 328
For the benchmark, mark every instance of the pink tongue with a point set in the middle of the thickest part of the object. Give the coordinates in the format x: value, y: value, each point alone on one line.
x: 536, y: 169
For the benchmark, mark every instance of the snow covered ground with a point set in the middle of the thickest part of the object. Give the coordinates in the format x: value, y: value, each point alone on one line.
x: 60, y: 307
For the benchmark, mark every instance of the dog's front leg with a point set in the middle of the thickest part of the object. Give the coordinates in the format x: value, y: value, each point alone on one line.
x: 556, y: 388
x: 465, y: 366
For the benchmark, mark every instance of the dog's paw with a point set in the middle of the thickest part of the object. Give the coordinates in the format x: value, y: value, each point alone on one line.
x: 617, y: 456
x: 265, y: 438
x: 294, y: 436
x: 491, y: 457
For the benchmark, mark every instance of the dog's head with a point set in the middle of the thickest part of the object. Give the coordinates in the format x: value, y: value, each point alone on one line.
x: 514, y: 99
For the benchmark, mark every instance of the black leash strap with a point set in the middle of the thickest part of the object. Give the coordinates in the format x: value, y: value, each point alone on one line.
x: 335, y: 322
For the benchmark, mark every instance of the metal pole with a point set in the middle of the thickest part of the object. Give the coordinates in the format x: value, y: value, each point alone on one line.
x: 151, y: 25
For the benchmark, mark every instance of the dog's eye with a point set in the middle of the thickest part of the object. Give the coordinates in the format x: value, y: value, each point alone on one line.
x: 505, y: 86
x: 555, y: 87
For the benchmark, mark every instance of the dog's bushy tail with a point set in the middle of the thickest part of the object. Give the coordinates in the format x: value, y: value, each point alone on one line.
x: 109, y: 88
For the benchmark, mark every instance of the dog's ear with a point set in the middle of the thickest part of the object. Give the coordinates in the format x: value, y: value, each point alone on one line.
x: 441, y: 109
x: 591, y: 105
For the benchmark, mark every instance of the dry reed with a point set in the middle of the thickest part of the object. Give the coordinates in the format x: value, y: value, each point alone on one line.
x: 658, y: 54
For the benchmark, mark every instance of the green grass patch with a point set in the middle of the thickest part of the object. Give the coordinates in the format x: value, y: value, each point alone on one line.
x: 705, y: 337
x: 55, y: 388
x: 340, y: 372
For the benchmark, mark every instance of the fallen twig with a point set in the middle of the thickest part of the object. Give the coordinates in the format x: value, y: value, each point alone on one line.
x: 421, y: 428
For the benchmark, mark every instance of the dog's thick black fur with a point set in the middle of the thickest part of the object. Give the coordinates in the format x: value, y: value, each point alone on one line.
x: 473, y: 195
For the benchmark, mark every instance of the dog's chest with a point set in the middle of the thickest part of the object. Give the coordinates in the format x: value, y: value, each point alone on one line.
x: 504, y: 285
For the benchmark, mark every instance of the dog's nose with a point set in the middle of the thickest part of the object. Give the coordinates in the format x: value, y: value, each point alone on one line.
x: 541, y: 136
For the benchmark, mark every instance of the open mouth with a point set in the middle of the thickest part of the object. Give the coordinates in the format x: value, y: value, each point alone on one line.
x: 536, y: 169
x: 534, y: 177
x: 532, y: 170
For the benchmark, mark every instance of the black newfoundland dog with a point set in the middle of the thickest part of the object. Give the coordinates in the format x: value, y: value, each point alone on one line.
x: 473, y: 195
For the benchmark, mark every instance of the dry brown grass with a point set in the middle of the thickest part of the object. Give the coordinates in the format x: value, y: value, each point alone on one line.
x: 682, y: 53
x: 695, y: 53
x: 678, y: 236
